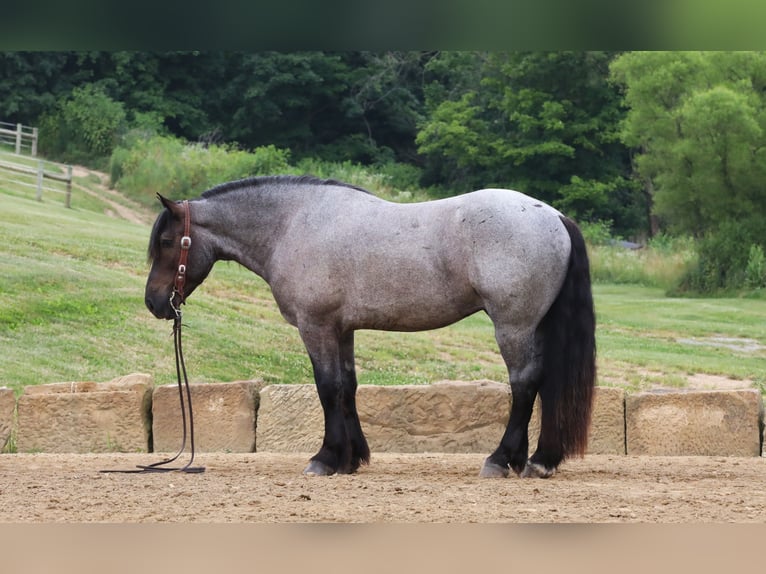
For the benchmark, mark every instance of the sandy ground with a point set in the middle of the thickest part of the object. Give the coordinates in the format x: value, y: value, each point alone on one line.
x: 395, y: 488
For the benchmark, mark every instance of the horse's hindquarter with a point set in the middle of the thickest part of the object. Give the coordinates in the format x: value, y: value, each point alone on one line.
x: 522, y: 252
x: 373, y: 264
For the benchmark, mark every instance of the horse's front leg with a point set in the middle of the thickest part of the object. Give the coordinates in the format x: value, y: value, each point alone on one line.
x: 335, y: 455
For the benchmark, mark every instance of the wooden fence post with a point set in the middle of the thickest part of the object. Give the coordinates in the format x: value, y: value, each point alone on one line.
x: 34, y: 142
x: 68, y: 202
x: 18, y: 138
x: 40, y: 180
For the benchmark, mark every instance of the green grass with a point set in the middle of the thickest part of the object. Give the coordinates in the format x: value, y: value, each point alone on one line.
x: 71, y: 308
x: 639, y: 330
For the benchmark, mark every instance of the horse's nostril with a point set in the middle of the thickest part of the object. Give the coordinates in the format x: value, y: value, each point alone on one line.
x: 149, y: 304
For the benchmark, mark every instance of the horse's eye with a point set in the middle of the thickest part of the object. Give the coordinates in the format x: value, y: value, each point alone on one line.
x: 166, y: 243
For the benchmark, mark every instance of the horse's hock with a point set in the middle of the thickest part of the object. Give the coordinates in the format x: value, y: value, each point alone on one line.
x: 129, y: 414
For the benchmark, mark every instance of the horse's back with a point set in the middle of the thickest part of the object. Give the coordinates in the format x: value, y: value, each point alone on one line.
x: 387, y: 265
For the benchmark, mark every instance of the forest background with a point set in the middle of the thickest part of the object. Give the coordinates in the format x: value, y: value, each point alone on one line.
x: 665, y: 149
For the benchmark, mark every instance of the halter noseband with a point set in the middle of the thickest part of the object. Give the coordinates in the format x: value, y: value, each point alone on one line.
x: 180, y: 280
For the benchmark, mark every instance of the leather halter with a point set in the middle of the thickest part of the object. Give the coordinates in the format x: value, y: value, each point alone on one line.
x: 180, y: 280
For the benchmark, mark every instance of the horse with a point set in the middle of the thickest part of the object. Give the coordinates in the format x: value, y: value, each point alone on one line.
x: 338, y: 259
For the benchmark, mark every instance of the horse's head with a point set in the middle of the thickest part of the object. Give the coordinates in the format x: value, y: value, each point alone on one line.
x: 179, y: 264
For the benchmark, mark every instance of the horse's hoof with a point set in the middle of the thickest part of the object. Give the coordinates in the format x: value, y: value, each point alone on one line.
x: 492, y: 470
x: 317, y: 468
x: 534, y: 470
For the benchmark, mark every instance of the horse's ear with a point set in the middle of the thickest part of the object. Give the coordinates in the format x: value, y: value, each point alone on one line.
x: 171, y: 205
x: 164, y: 200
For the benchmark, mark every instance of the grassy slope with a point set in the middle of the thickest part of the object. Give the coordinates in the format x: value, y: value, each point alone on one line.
x: 71, y: 308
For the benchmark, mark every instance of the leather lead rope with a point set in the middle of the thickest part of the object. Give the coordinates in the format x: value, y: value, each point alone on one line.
x: 186, y: 401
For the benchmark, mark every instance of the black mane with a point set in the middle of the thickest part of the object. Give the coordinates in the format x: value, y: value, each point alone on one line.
x: 275, y: 180
x: 164, y: 216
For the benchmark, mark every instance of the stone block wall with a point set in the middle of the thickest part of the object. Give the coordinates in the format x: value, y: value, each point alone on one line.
x: 129, y: 414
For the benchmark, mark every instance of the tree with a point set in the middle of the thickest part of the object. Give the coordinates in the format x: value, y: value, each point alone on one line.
x: 543, y: 123
x: 30, y: 83
x: 384, y: 101
x: 84, y: 127
x: 282, y: 98
x: 698, y: 121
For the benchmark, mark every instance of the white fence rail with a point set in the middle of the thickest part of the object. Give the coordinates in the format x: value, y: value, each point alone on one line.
x: 18, y: 138
x: 42, y: 176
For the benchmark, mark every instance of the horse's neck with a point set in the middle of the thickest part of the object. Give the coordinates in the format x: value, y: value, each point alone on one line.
x: 244, y: 229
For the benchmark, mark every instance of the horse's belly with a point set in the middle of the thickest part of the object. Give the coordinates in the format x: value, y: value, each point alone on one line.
x: 405, y: 316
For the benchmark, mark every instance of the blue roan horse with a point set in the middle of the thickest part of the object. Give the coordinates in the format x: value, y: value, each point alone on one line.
x: 339, y: 259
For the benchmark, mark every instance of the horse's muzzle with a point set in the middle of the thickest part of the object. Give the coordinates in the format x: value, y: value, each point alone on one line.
x: 160, y: 307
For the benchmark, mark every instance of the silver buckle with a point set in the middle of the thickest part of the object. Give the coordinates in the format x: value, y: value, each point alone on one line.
x: 185, y: 242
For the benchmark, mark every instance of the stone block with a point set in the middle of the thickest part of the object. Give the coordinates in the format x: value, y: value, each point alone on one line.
x: 290, y: 419
x: 607, y: 429
x: 7, y: 410
x: 447, y: 416
x: 224, y: 417
x: 81, y: 417
x: 711, y: 423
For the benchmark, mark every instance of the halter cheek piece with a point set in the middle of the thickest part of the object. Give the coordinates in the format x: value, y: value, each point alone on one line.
x: 180, y: 280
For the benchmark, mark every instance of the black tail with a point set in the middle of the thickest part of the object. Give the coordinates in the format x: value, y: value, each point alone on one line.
x: 569, y: 371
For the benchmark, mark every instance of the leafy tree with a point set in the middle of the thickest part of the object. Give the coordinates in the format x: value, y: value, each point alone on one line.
x: 543, y: 123
x: 84, y: 127
x: 360, y: 106
x: 384, y: 101
x: 698, y: 120
x: 280, y: 98
x: 29, y: 84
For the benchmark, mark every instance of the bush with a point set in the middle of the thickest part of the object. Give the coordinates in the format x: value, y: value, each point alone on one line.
x: 755, y: 271
x: 395, y: 182
x: 401, y: 176
x: 178, y: 169
x: 84, y: 128
x: 596, y: 233
x: 730, y: 259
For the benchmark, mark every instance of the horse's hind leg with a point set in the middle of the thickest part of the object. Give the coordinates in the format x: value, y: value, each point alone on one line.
x: 520, y: 352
